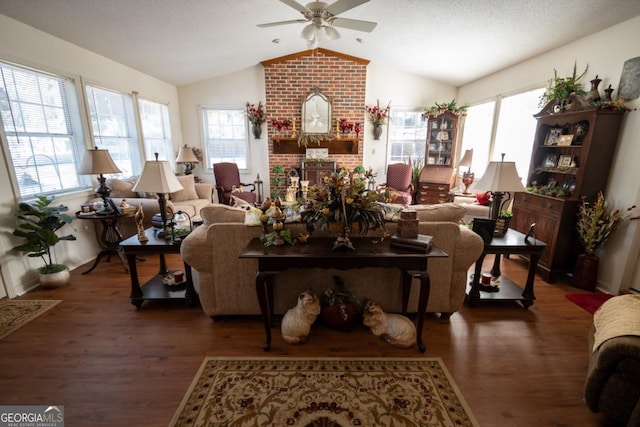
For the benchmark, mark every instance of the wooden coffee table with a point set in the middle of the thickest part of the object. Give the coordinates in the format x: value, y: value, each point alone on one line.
x: 317, y: 253
x: 154, y: 289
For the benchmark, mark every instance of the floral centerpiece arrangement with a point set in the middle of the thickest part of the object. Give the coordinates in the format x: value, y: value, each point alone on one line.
x: 437, y: 109
x: 342, y: 201
x: 256, y: 114
x: 596, y: 222
x: 377, y: 115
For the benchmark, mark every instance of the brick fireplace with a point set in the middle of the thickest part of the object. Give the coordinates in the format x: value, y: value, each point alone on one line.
x: 288, y: 81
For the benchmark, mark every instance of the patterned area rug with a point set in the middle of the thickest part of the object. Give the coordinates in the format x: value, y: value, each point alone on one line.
x: 588, y: 302
x: 323, y: 392
x: 14, y: 314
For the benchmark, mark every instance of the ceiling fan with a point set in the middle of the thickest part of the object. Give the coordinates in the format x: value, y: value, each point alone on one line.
x: 323, y: 18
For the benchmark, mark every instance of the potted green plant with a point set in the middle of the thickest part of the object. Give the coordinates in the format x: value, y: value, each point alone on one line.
x: 276, y: 181
x: 340, y: 308
x: 39, y: 222
x: 561, y: 88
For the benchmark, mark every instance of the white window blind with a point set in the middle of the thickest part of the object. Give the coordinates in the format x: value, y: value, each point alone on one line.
x: 407, y: 136
x: 226, y: 137
x: 114, y: 128
x: 41, y: 124
x: 156, y: 130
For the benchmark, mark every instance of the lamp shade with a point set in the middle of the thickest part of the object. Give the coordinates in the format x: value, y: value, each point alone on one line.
x: 500, y: 177
x: 157, y: 177
x: 97, y: 162
x: 466, y: 158
x: 185, y: 155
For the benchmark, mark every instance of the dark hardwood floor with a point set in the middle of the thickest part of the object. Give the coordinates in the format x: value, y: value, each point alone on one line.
x: 111, y: 364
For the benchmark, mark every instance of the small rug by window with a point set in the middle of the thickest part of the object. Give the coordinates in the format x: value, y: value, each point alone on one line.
x: 323, y: 392
x: 14, y: 314
x: 588, y: 302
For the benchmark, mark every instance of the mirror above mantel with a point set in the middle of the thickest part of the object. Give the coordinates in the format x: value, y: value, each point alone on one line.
x: 316, y: 113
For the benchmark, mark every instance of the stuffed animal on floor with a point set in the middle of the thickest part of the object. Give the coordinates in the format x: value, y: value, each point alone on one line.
x: 396, y: 329
x: 296, y: 323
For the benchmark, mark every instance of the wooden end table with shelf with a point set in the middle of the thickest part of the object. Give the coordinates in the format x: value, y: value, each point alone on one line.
x: 513, y: 242
x: 154, y: 289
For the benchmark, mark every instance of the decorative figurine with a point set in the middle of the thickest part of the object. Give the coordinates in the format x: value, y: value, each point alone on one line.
x: 139, y: 218
x: 396, y: 329
x: 297, y: 321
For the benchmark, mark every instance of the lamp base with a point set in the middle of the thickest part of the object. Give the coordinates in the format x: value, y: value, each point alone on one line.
x: 467, y: 180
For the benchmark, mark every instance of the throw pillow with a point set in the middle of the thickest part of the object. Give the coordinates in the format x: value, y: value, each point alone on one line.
x: 123, y: 188
x: 392, y: 211
x: 188, y: 191
x: 252, y: 216
x: 483, y: 198
x: 450, y: 212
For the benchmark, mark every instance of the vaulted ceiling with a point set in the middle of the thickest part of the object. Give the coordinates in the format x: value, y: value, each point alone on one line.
x: 453, y: 42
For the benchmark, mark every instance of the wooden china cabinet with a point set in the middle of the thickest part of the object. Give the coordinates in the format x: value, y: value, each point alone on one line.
x: 571, y: 158
x: 437, y: 175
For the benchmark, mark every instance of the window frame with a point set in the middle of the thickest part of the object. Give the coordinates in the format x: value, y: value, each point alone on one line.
x: 166, y: 130
x: 70, y: 97
x: 208, y: 158
x: 419, y: 142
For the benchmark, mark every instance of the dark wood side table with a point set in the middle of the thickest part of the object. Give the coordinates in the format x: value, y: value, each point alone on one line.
x: 513, y: 242
x: 110, y: 237
x: 154, y: 289
x: 317, y: 253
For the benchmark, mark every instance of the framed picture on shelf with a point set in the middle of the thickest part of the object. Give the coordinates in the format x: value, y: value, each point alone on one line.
x: 552, y: 183
x: 565, y: 139
x: 551, y: 161
x: 566, y: 161
x: 553, y: 135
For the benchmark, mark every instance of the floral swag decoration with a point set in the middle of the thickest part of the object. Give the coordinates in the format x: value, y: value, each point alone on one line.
x: 596, y: 222
x: 377, y: 115
x: 438, y: 109
x: 342, y: 200
x: 256, y: 114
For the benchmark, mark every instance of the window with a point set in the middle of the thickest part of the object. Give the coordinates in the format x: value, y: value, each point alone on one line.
x: 407, y: 136
x: 42, y: 128
x: 156, y: 130
x: 113, y: 126
x: 225, y: 136
x: 514, y: 131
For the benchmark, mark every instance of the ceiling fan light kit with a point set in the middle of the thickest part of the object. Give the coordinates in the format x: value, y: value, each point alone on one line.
x: 321, y: 20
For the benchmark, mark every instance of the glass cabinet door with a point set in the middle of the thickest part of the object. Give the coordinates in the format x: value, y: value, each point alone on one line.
x: 441, y: 140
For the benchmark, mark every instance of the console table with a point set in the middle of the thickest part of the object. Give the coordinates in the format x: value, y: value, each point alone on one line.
x: 317, y: 253
x: 513, y: 242
x: 154, y: 288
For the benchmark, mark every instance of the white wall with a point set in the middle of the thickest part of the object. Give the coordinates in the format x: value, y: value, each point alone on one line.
x: 405, y: 90
x: 605, y: 53
x: 25, y: 45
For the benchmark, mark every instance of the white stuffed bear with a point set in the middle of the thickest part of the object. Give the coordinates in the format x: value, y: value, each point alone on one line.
x: 296, y: 323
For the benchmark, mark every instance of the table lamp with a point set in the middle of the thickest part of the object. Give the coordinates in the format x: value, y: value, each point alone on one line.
x: 467, y: 177
x: 499, y: 178
x: 157, y: 177
x: 187, y: 159
x: 99, y: 162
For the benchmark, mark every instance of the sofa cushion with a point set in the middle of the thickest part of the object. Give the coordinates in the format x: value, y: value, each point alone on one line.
x: 123, y: 188
x: 188, y: 191
x: 219, y: 213
x: 449, y: 212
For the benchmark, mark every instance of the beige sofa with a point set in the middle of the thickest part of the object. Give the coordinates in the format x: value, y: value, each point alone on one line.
x: 227, y: 284
x: 191, y: 199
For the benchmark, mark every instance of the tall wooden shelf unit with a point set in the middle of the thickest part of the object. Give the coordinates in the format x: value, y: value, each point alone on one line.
x: 437, y: 176
x: 580, y: 168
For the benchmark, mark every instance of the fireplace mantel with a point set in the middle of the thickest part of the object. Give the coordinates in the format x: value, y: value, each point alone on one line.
x: 335, y: 146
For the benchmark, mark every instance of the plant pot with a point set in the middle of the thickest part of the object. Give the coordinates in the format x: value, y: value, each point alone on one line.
x: 55, y: 280
x: 585, y: 274
x: 340, y: 316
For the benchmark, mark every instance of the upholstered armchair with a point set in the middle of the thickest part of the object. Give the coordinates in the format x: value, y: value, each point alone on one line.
x: 228, y: 182
x: 399, y: 185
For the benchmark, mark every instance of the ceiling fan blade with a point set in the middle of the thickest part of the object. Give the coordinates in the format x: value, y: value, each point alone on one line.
x: 297, y: 6
x: 343, y: 5
x: 273, y: 24
x: 354, y: 24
